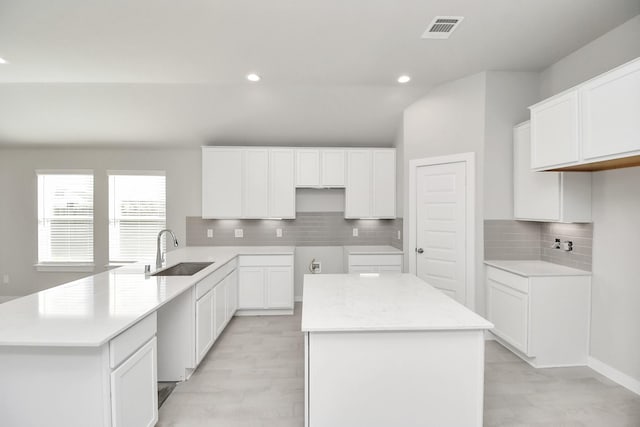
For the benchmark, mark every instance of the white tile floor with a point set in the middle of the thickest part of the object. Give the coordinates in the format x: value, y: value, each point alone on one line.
x: 253, y: 377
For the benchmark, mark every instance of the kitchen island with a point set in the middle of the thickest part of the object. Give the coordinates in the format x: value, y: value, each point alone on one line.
x: 389, y: 349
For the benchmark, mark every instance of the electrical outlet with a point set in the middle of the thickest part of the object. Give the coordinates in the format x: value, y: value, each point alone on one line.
x: 355, y: 232
x: 5, y: 278
x: 278, y: 232
x: 209, y: 233
x: 316, y: 267
x: 239, y: 232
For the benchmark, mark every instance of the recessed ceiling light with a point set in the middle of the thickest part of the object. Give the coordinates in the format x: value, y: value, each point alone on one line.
x: 253, y: 77
x: 3, y: 61
x: 404, y: 79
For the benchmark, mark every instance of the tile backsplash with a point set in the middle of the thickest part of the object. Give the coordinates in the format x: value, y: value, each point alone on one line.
x: 520, y: 240
x: 308, y: 229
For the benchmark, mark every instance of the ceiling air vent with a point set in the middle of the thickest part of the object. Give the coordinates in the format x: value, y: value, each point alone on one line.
x: 442, y: 26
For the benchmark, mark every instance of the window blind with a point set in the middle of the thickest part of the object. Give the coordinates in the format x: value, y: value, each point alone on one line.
x: 137, y: 212
x: 65, y: 218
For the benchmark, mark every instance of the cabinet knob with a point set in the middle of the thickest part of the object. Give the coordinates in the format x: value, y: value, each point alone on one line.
x: 419, y: 250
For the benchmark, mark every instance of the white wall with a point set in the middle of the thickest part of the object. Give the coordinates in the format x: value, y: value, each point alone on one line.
x: 331, y: 257
x: 508, y: 96
x: 615, y: 323
x: 18, y: 213
x: 448, y: 120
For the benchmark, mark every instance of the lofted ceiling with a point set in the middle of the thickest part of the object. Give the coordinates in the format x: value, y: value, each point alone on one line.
x: 172, y: 73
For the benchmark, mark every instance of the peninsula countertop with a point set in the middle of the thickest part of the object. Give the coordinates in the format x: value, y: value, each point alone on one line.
x: 89, y: 312
x: 381, y: 302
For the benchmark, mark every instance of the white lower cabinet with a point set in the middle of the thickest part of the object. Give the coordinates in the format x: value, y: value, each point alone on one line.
x: 278, y: 286
x: 134, y: 389
x: 265, y: 283
x: 543, y: 319
x: 215, y: 308
x: 205, y: 332
x: 220, y: 306
x: 381, y: 263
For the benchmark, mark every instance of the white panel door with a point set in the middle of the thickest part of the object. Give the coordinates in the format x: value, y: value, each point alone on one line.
x: 307, y: 168
x: 508, y: 310
x: 611, y: 113
x: 205, y: 332
x: 555, y: 131
x: 441, y: 227
x: 221, y: 182
x: 333, y: 168
x: 232, y: 294
x: 255, y: 183
x: 536, y: 194
x: 359, y: 188
x: 134, y: 389
x: 279, y: 287
x: 251, y: 287
x: 220, y: 306
x: 384, y: 183
x: 282, y: 190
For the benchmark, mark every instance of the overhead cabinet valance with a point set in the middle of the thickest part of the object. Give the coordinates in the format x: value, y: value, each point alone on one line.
x: 593, y: 126
x: 260, y: 182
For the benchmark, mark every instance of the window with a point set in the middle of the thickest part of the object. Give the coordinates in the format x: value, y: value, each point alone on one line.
x: 65, y: 217
x: 137, y: 212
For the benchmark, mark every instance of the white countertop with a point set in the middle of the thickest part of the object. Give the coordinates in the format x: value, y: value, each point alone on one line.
x: 384, y: 302
x: 532, y: 268
x: 91, y: 311
x: 372, y: 250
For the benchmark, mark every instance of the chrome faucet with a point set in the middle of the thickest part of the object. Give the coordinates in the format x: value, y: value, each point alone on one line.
x: 159, y: 254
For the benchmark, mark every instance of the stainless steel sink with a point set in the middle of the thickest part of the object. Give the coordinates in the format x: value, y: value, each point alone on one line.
x: 183, y: 269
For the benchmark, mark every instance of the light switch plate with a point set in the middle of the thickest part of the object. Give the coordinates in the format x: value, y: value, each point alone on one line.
x: 209, y: 233
x: 355, y: 232
x: 5, y: 278
x: 399, y: 234
x: 278, y: 232
x: 239, y: 232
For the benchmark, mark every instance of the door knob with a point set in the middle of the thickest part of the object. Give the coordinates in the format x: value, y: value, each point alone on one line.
x: 419, y: 250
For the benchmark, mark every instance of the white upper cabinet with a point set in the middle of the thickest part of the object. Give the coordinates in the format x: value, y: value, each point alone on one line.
x: 255, y: 185
x: 384, y: 183
x: 332, y: 172
x: 547, y: 196
x: 371, y: 184
x: 282, y: 192
x: 307, y: 168
x: 593, y: 126
x: 323, y: 167
x: 611, y: 113
x: 555, y: 131
x: 240, y: 182
x: 359, y: 188
x: 221, y: 183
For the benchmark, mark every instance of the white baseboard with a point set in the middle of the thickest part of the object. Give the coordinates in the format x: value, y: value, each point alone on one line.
x: 614, y: 375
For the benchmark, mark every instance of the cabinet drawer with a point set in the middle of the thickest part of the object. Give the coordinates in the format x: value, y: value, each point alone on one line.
x: 206, y: 284
x: 125, y: 344
x: 265, y: 260
x: 511, y: 280
x: 394, y: 260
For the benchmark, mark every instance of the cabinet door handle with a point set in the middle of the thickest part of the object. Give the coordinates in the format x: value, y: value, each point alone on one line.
x: 419, y: 250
